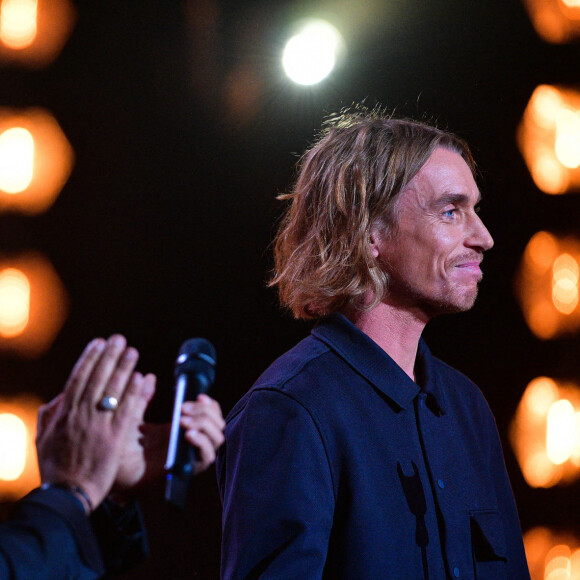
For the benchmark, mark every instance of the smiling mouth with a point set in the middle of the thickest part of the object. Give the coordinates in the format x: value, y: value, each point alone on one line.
x: 471, y: 269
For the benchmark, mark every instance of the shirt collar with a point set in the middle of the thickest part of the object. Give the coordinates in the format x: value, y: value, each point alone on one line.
x: 373, y: 363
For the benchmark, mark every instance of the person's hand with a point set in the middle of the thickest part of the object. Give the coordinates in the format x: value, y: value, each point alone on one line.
x: 80, y: 443
x: 204, y: 429
x: 142, y: 461
x: 144, y: 457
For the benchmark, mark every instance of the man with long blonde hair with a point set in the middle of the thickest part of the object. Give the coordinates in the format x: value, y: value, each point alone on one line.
x: 358, y: 455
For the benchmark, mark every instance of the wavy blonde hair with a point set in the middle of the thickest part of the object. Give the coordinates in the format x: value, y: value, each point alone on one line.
x: 348, y: 181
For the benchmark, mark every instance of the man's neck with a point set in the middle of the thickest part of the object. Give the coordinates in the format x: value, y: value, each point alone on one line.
x: 397, y: 331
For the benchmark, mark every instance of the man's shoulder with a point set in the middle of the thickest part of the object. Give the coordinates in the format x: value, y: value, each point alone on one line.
x: 292, y: 363
x: 292, y: 374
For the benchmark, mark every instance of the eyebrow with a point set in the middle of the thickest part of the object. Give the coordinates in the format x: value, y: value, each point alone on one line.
x: 458, y: 198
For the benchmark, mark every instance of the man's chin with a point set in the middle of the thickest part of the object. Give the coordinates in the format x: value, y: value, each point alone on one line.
x: 453, y: 304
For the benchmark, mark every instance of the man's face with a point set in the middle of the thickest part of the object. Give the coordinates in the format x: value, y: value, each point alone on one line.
x: 433, y: 255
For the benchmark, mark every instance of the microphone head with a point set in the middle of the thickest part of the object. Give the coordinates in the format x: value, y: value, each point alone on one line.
x: 197, y: 357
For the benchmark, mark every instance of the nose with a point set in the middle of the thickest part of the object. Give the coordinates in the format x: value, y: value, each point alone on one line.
x: 479, y: 236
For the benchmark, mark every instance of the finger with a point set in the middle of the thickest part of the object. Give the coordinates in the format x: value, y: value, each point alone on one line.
x: 46, y: 414
x: 104, y: 369
x: 206, y: 426
x: 83, y: 368
x: 207, y: 400
x: 198, y: 411
x: 212, y: 403
x: 205, y: 450
x: 119, y: 379
x: 203, y: 405
x: 139, y: 392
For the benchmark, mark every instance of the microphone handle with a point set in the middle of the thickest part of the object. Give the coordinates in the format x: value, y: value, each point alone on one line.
x: 180, y: 463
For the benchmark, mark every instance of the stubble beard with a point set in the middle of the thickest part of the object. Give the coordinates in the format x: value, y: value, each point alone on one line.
x: 454, y: 301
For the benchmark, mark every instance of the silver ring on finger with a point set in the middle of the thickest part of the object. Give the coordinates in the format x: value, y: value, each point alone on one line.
x: 108, y: 403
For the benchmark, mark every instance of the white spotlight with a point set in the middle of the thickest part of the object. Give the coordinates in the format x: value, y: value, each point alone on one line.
x: 311, y: 54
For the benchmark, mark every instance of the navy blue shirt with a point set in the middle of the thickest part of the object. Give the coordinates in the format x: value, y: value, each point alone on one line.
x: 337, y: 465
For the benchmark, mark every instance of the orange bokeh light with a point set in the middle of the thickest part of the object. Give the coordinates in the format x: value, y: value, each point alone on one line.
x: 36, y: 160
x: 545, y: 432
x: 18, y: 23
x: 552, y: 555
x: 549, y: 138
x: 16, y: 160
x: 19, y: 412
x: 14, y: 302
x: 547, y: 285
x: 33, y: 304
x: 555, y: 21
x: 33, y: 32
x: 13, y: 440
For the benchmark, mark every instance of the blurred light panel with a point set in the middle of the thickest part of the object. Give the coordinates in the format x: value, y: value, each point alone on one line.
x: 14, y: 302
x: 13, y: 439
x: 16, y: 160
x: 33, y: 32
x: 33, y: 304
x: 18, y: 463
x: 312, y: 53
x: 36, y: 160
x: 560, y: 432
x: 547, y: 285
x: 552, y: 555
x: 556, y: 21
x: 18, y: 23
x: 549, y: 138
x: 545, y: 432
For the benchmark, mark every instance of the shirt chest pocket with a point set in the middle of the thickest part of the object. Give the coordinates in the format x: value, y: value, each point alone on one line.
x: 488, y: 545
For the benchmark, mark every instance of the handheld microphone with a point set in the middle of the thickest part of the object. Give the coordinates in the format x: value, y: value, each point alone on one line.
x: 194, y: 374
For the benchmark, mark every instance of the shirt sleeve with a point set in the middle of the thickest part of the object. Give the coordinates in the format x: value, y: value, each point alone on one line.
x: 47, y: 537
x: 277, y: 491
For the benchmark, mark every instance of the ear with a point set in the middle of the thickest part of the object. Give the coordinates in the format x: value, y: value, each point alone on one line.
x: 375, y: 241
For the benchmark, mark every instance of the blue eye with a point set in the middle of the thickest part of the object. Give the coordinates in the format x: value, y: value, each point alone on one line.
x: 449, y: 212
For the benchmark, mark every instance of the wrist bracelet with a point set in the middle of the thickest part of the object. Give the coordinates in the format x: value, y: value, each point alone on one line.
x: 74, y: 489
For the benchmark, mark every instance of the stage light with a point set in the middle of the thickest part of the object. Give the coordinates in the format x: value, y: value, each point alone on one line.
x: 14, y: 302
x: 560, y: 431
x: 555, y: 21
x: 552, y: 555
x: 33, y: 32
x: 13, y: 438
x: 545, y: 432
x: 18, y: 464
x: 547, y: 285
x: 567, y: 144
x: 18, y: 23
x: 16, y: 160
x: 549, y: 138
x: 311, y: 54
x: 33, y: 304
x: 36, y: 160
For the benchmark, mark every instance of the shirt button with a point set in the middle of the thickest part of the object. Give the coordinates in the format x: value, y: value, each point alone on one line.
x: 456, y: 572
x: 441, y: 485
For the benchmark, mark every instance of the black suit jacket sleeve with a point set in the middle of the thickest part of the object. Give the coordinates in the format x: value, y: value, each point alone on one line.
x: 120, y: 532
x: 49, y: 537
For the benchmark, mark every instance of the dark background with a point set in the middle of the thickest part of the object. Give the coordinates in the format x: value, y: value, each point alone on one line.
x: 185, y: 130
